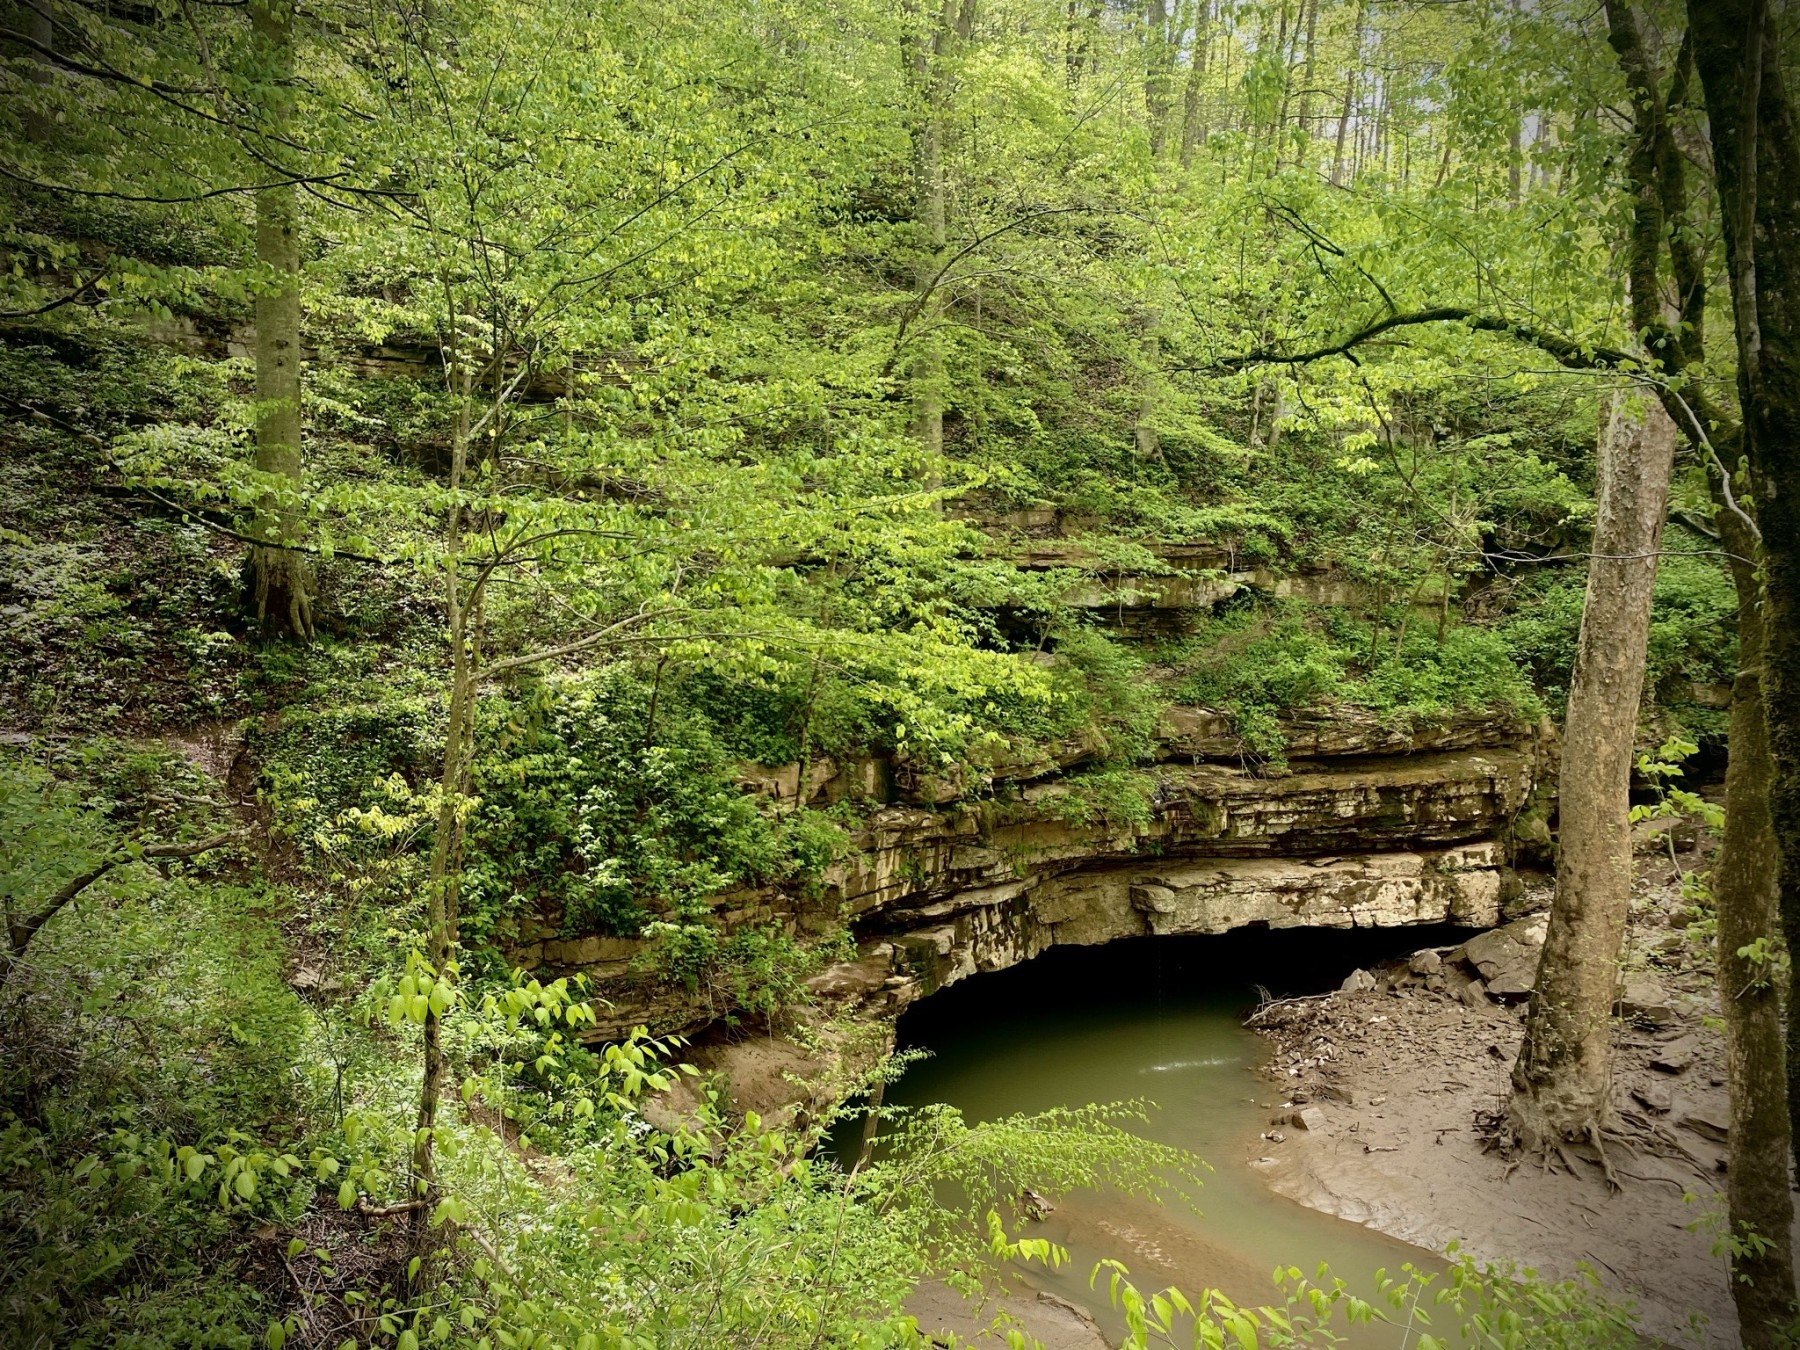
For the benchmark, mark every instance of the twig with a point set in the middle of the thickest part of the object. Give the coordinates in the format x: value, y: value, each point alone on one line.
x: 364, y: 1208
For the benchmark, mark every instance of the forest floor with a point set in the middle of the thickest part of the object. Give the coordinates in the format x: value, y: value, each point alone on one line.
x: 1400, y: 1085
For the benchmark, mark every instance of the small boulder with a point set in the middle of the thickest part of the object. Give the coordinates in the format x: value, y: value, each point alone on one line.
x: 1358, y: 981
x: 1507, y: 958
x: 1709, y: 1123
x: 1655, y: 1097
x: 1427, y: 962
x: 1308, y: 1118
x: 1475, y: 994
x: 1645, y: 1002
x: 1675, y: 1056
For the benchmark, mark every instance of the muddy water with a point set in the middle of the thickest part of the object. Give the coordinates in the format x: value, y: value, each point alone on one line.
x: 1158, y: 1019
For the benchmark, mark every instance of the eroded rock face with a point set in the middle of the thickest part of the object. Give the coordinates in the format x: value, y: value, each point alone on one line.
x: 914, y: 858
x: 1374, y: 828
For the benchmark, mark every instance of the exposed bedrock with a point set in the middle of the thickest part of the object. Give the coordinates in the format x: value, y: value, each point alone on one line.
x: 1365, y: 842
x: 1376, y: 827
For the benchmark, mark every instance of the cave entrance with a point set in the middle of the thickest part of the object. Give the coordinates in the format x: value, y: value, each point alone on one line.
x: 1158, y: 1020
x: 1230, y: 970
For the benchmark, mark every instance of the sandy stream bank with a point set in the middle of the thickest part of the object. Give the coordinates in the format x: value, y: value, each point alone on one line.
x: 1397, y: 1080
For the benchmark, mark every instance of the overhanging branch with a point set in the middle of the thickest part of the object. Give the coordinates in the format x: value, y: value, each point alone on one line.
x: 1567, y: 352
x: 20, y: 931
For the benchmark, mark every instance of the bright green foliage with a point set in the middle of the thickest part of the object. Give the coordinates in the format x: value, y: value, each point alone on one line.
x: 1693, y: 638
x: 616, y: 320
x: 1258, y: 663
x: 1483, y: 1307
x: 589, y: 811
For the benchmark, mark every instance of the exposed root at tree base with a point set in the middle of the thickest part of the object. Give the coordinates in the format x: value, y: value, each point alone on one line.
x: 1414, y: 1136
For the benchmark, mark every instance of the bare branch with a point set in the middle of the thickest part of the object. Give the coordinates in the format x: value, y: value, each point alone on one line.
x: 21, y: 931
x: 1575, y: 355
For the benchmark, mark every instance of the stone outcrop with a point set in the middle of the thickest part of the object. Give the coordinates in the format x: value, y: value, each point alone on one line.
x: 1370, y: 843
x: 1370, y: 826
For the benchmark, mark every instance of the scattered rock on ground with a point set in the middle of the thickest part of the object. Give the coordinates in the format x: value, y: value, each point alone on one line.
x: 1507, y: 958
x: 1676, y: 1055
x: 1708, y: 1122
x: 1646, y: 1002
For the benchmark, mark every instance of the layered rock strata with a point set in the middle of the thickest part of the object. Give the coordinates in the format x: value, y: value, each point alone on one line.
x: 1374, y: 827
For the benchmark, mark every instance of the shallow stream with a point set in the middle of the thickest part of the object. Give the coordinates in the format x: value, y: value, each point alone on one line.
x: 1158, y: 1019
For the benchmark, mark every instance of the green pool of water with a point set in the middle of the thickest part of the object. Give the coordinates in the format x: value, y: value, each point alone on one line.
x: 1157, y: 1019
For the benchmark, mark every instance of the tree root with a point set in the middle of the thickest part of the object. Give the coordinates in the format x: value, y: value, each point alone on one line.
x: 1606, y: 1168
x: 1564, y: 1151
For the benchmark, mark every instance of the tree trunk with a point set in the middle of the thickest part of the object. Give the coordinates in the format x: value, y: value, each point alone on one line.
x: 1159, y: 73
x: 1343, y: 126
x: 1304, y: 119
x: 280, y: 579
x: 925, y: 59
x: 1193, y: 123
x: 1515, y: 141
x: 1746, y: 893
x: 441, y: 918
x: 1284, y: 50
x: 1756, y: 158
x: 1562, y: 1082
x: 1077, y: 52
x: 38, y: 123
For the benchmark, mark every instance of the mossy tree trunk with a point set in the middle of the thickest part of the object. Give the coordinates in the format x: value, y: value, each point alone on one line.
x: 1756, y: 161
x: 1747, y: 895
x: 1562, y: 1082
x: 280, y: 579
x: 1745, y: 884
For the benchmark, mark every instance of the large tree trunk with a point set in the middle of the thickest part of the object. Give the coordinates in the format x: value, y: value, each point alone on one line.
x: 1746, y: 893
x: 280, y: 579
x: 1756, y: 158
x: 1562, y: 1082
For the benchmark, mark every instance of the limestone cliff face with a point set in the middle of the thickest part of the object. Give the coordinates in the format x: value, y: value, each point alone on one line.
x: 1364, y: 841
x: 1374, y: 827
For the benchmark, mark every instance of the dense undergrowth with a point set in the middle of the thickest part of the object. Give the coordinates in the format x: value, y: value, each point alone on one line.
x: 210, y: 1060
